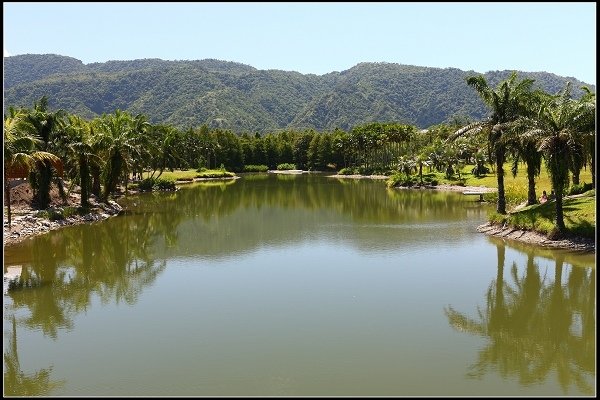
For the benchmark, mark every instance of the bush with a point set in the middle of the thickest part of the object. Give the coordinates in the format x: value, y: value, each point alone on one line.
x: 164, y: 184
x: 514, y: 195
x: 348, y: 171
x: 146, y: 185
x: 68, y: 211
x: 399, y: 179
x: 150, y: 184
x: 579, y: 189
x: 255, y: 168
x: 362, y: 170
x: 285, y: 166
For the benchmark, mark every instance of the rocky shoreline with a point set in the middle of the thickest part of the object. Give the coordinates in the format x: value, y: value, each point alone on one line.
x: 575, y: 243
x: 28, y: 223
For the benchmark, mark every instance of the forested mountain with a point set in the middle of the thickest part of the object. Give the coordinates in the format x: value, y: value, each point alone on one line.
x: 241, y: 98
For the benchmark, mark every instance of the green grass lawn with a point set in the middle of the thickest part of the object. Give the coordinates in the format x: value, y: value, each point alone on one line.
x: 579, y: 215
x: 542, y: 182
x: 190, y: 174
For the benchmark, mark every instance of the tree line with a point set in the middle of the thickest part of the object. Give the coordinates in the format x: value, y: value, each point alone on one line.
x: 99, y: 154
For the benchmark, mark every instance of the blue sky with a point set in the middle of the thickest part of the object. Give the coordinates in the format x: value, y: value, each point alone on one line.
x: 316, y: 37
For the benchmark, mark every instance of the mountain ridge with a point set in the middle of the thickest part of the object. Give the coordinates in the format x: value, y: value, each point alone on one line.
x: 242, y: 98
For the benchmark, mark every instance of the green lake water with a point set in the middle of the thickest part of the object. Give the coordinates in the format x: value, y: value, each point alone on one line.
x: 297, y: 285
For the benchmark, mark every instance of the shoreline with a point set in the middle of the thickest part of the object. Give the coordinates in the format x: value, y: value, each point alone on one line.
x: 26, y: 224
x: 586, y: 245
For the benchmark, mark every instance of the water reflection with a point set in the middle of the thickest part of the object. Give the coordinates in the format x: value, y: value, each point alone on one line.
x: 67, y: 269
x: 536, y: 324
x: 17, y: 382
x: 242, y: 257
x: 220, y: 219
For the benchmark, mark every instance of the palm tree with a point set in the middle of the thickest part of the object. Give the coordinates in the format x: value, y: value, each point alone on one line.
x: 20, y: 156
x: 80, y: 152
x: 510, y: 100
x: 120, y: 144
x: 526, y: 149
x: 559, y: 128
x: 587, y: 122
x: 46, y: 124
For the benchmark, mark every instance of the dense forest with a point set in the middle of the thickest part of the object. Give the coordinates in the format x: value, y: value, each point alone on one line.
x: 240, y: 98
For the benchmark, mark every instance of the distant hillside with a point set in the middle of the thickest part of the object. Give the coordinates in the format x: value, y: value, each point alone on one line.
x: 241, y: 98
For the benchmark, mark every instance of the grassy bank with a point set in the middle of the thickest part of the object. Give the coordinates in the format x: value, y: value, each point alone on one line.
x: 191, y: 174
x: 579, y: 215
x: 579, y: 210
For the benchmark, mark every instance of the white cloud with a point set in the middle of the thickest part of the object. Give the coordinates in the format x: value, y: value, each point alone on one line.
x: 6, y: 53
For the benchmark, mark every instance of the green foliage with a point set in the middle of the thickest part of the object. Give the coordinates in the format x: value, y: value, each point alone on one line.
x: 285, y: 166
x: 348, y: 171
x: 146, y: 185
x: 402, y: 180
x: 579, y: 215
x: 480, y: 170
x: 70, y: 211
x: 58, y: 213
x: 164, y: 184
x: 237, y: 97
x: 215, y: 173
x: 150, y: 184
x: 579, y: 189
x: 515, y: 195
x: 255, y: 168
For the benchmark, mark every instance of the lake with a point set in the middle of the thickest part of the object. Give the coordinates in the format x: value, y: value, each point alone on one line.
x: 297, y: 285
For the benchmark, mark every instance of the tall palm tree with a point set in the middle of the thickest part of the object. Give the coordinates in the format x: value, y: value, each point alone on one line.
x: 120, y: 145
x: 20, y: 154
x: 526, y: 149
x: 80, y: 152
x: 46, y: 124
x: 587, y: 122
x: 510, y: 100
x: 559, y: 127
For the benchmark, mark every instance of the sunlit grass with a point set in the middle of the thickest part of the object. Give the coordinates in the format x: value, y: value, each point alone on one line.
x: 190, y: 174
x: 579, y: 216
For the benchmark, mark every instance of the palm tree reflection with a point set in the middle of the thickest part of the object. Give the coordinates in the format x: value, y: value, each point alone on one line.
x: 19, y: 383
x: 536, y: 326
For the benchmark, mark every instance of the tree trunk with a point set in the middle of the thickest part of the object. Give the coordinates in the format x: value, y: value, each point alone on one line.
x: 560, y: 222
x: 501, y: 209
x: 84, y: 172
x: 7, y: 194
x: 43, y: 195
x: 95, y: 170
x: 592, y: 167
x: 531, y: 197
x: 576, y: 177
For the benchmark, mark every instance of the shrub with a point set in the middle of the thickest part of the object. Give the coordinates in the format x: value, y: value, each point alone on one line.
x: 255, y: 168
x: 146, y: 185
x: 362, y: 170
x: 480, y: 170
x: 68, y: 211
x: 285, y: 166
x: 579, y: 189
x: 150, y: 184
x: 164, y: 184
x: 514, y: 195
x: 348, y: 171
